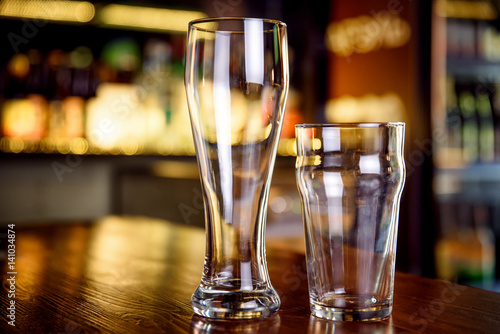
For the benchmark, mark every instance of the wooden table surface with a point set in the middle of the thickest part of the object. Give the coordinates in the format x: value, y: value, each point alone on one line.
x: 136, y: 275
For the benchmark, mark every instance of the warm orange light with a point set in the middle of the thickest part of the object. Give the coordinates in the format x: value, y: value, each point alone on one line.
x: 69, y: 11
x: 148, y: 17
x: 388, y: 107
x: 364, y: 34
x: 479, y: 10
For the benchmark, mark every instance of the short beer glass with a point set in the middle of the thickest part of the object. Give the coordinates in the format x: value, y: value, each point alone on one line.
x: 350, y: 178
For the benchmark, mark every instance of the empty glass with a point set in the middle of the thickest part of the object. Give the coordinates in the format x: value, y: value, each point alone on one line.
x: 350, y: 178
x: 236, y: 83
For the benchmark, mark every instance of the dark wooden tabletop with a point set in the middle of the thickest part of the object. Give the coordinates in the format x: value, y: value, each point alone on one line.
x: 136, y: 275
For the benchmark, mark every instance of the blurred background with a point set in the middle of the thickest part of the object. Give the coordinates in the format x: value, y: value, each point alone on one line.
x: 94, y: 118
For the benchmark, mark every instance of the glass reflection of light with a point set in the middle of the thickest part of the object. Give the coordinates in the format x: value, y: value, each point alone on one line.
x: 254, y: 51
x: 322, y: 326
x: 222, y: 110
x: 112, y: 244
x: 139, y: 251
x: 200, y: 325
x: 30, y: 267
x: 369, y: 164
x: 334, y: 188
x: 138, y: 258
x: 45, y: 267
x: 72, y: 247
x: 331, y: 139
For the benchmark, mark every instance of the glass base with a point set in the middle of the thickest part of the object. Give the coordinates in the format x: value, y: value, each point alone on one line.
x: 372, y: 313
x: 235, y: 304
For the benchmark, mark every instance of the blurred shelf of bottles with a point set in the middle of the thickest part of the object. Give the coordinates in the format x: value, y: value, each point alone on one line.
x: 468, y: 130
x: 124, y: 101
x: 127, y: 100
x: 466, y: 141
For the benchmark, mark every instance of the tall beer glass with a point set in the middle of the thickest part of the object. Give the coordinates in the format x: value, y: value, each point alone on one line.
x: 236, y: 83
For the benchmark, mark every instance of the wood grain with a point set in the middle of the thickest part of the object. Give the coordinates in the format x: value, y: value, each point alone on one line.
x: 136, y: 275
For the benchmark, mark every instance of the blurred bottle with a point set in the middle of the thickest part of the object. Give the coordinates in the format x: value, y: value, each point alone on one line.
x: 453, y: 124
x: 18, y: 68
x: 73, y: 108
x: 453, y: 38
x: 180, y: 123
x: 59, y: 87
x: 465, y: 253
x: 470, y: 132
x: 24, y: 111
x: 35, y: 83
x: 495, y: 97
x: 80, y: 61
x: 36, y: 79
x: 155, y: 85
x: 488, y: 42
x: 486, y: 126
x: 485, y: 238
x: 120, y: 60
x: 467, y: 39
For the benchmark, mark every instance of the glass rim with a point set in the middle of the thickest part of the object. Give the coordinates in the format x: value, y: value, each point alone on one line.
x: 353, y: 125
x: 194, y: 23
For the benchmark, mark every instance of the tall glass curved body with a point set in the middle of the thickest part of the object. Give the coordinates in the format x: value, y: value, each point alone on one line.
x: 236, y: 83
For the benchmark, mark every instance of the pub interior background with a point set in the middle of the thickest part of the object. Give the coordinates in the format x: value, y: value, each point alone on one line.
x: 94, y: 119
